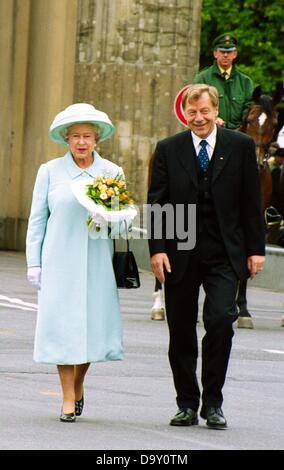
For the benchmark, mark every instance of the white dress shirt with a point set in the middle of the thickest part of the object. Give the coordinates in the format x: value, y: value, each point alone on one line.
x: 211, y: 142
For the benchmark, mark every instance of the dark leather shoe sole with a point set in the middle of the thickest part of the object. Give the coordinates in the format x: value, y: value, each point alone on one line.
x: 184, y: 423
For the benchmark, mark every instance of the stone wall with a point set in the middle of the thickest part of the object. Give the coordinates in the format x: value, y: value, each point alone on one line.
x: 133, y: 56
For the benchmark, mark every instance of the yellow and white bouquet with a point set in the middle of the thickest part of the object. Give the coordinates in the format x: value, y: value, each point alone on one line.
x: 107, y: 200
x: 109, y: 192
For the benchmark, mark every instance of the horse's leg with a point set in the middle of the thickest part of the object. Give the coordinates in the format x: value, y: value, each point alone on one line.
x: 158, y: 285
x: 158, y: 309
x: 244, y: 319
x: 266, y: 185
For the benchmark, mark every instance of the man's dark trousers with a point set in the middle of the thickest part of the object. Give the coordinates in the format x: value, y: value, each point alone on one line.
x: 210, y: 266
x: 220, y: 284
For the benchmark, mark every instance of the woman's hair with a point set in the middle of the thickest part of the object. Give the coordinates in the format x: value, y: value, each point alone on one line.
x: 194, y: 92
x: 96, y: 128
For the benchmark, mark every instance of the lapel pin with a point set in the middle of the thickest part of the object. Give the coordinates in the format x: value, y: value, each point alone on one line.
x: 221, y: 158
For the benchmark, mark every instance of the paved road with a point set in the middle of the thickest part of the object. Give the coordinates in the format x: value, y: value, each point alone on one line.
x: 129, y: 403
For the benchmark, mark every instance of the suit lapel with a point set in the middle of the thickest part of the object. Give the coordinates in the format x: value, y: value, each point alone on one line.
x: 221, y: 154
x: 187, y: 157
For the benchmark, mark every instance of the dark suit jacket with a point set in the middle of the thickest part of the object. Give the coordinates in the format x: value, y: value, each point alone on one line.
x: 235, y: 189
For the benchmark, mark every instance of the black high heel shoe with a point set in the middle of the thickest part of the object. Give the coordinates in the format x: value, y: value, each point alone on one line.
x: 79, y: 406
x: 67, y: 417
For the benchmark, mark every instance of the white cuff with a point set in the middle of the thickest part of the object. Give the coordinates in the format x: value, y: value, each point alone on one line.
x: 34, y: 276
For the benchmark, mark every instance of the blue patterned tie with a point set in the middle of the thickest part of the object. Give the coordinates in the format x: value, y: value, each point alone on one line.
x: 203, y: 158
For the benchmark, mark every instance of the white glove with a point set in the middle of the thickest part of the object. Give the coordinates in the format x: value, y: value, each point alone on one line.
x: 34, y: 276
x: 98, y: 221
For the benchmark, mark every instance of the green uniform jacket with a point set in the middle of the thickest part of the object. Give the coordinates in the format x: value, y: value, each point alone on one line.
x: 235, y: 94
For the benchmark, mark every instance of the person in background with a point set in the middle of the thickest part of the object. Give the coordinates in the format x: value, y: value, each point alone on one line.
x: 79, y: 319
x: 234, y: 87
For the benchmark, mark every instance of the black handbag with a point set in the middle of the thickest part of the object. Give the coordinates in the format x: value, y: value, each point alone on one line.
x: 125, y: 268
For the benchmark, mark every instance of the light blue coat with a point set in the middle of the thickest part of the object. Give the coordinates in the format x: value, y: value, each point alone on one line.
x: 79, y: 317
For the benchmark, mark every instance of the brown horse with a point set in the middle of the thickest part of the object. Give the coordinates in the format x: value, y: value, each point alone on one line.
x: 259, y: 123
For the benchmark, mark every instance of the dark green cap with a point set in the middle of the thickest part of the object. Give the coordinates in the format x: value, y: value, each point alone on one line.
x: 225, y: 42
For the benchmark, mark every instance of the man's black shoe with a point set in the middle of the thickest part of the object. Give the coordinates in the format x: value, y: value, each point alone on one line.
x: 215, y: 418
x: 185, y: 417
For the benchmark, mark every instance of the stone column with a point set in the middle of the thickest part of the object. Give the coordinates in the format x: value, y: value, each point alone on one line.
x: 50, y: 82
x: 133, y: 58
x: 37, y: 81
x: 14, y: 32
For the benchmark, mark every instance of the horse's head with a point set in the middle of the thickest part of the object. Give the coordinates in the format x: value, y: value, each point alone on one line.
x: 260, y: 122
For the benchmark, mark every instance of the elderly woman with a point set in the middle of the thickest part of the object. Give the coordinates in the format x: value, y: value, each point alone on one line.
x: 79, y: 318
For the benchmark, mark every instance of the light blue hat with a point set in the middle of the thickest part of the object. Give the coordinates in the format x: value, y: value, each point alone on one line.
x: 80, y: 113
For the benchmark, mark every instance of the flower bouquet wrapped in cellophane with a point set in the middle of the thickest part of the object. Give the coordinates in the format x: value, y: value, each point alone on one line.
x: 107, y: 200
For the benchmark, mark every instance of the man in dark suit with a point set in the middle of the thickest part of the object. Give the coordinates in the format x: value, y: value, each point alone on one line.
x: 214, y: 169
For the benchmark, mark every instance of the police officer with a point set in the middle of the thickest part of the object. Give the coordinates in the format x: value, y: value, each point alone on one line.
x: 234, y: 87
